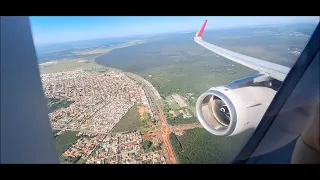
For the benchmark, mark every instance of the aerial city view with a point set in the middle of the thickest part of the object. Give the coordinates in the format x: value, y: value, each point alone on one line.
x: 132, y: 99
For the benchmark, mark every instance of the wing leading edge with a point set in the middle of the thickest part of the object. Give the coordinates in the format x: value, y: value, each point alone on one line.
x: 276, y: 71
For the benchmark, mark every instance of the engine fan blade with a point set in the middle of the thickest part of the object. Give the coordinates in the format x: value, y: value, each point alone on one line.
x: 220, y: 111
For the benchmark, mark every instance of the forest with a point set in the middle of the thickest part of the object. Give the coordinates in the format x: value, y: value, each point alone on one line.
x: 197, y: 146
x: 176, y: 64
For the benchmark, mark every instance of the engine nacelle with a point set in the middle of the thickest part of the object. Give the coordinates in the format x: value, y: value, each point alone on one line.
x: 224, y: 111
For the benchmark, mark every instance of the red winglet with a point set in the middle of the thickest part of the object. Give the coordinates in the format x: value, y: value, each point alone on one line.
x: 200, y: 32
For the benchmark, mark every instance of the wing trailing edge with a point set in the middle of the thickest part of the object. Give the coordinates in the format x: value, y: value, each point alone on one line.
x: 273, y: 70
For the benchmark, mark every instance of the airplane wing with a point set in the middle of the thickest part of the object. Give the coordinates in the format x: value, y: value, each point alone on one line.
x: 276, y: 71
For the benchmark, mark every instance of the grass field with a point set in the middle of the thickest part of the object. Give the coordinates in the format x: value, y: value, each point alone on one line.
x: 81, y: 161
x: 175, y: 106
x: 70, y: 65
x: 129, y: 122
x: 71, y: 160
x: 55, y: 104
x: 65, y: 140
x: 201, y: 147
x: 180, y: 120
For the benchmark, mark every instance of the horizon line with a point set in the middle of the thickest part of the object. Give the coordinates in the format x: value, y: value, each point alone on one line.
x: 173, y: 32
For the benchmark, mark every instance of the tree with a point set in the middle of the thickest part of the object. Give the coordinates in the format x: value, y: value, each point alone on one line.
x: 76, y: 159
x: 146, y: 145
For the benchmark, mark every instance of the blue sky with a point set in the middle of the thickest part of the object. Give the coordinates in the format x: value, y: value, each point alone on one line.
x: 54, y: 29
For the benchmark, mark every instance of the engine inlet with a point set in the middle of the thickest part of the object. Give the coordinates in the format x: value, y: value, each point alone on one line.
x: 216, y: 112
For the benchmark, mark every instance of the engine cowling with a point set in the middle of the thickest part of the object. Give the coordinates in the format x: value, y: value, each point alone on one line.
x: 224, y: 111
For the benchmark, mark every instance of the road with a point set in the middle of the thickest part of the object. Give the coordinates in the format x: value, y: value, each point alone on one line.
x: 157, y: 107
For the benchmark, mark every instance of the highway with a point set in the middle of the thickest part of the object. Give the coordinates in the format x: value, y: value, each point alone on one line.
x: 156, y: 108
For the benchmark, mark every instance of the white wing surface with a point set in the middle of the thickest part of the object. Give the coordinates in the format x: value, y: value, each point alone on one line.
x: 276, y: 71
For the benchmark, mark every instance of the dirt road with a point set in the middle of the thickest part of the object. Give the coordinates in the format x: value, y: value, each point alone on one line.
x: 165, y: 129
x: 165, y: 135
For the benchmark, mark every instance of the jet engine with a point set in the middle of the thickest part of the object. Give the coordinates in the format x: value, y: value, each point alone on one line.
x: 229, y: 110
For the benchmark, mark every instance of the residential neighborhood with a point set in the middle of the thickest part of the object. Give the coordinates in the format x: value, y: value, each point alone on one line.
x: 113, y: 149
x: 92, y: 104
x: 100, y: 100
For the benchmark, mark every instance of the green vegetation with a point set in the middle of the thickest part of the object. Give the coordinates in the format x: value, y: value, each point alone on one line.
x: 54, y: 132
x: 65, y: 159
x: 145, y: 119
x: 200, y: 77
x: 166, y: 109
x: 55, y: 104
x: 70, y: 160
x: 81, y: 161
x: 129, y: 122
x: 175, y: 143
x: 75, y: 55
x: 65, y: 140
x: 146, y: 145
x: 70, y: 65
x: 192, y: 102
x: 180, y: 120
x: 144, y: 131
x: 179, y: 65
x: 190, y: 111
x: 155, y: 148
x: 149, y: 147
x: 197, y: 146
x: 145, y: 116
x: 175, y: 106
